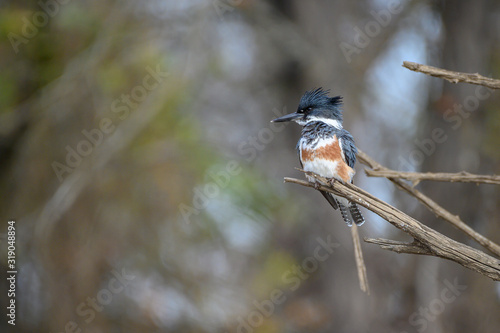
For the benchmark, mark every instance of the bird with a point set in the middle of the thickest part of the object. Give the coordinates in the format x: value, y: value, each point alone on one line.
x: 325, y: 147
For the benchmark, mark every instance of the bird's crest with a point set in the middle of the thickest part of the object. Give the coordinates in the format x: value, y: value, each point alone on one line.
x: 319, y: 98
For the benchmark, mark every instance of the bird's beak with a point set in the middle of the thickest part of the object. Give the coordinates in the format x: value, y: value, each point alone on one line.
x: 288, y: 117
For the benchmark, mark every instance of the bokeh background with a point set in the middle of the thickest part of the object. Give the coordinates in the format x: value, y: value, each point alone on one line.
x: 146, y: 181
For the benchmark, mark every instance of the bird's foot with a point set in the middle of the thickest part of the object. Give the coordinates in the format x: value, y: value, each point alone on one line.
x: 333, y: 180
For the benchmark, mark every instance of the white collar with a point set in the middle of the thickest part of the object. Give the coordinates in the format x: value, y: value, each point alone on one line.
x: 332, y: 122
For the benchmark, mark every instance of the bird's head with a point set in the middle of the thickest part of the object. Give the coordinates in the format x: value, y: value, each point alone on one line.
x: 316, y: 105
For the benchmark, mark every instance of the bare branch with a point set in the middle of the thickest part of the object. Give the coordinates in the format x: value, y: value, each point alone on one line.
x: 416, y: 177
x: 433, y: 206
x: 400, y: 247
x: 435, y: 243
x: 453, y: 77
x: 360, y: 263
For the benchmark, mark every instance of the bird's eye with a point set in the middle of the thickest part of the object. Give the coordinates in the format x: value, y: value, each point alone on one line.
x: 300, y: 111
x: 309, y: 109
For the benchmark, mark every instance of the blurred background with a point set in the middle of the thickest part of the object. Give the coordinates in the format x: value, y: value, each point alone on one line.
x: 146, y: 181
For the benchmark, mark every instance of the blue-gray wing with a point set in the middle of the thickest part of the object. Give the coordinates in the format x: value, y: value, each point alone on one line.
x: 348, y: 146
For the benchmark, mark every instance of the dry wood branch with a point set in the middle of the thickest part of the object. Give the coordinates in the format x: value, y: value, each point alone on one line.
x: 360, y: 263
x: 433, y: 206
x: 453, y: 77
x: 416, y: 177
x: 400, y: 247
x: 435, y: 243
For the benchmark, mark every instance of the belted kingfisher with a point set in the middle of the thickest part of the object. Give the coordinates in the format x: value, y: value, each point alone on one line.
x: 325, y: 147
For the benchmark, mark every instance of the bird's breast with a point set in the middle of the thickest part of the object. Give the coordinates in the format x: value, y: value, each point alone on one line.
x: 325, y: 158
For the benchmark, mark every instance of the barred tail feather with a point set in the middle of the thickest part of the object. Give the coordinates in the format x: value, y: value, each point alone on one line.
x: 345, y: 215
x: 356, y: 214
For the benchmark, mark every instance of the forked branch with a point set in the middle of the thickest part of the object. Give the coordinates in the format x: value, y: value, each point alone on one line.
x: 433, y: 206
x: 430, y: 242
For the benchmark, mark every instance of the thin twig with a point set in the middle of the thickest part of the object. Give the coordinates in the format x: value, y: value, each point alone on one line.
x: 360, y: 263
x: 453, y: 77
x: 435, y: 243
x: 433, y: 206
x: 416, y: 177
